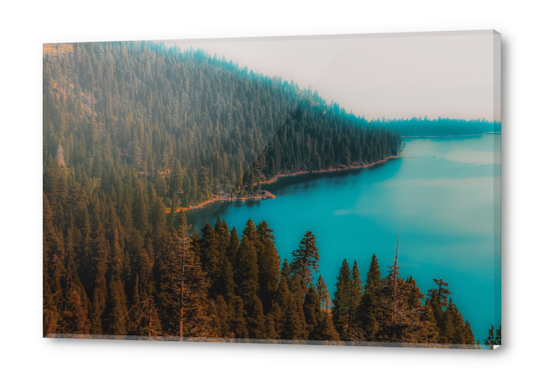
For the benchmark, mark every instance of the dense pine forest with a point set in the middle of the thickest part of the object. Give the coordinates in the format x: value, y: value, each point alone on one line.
x: 219, y: 286
x: 187, y: 124
x: 131, y: 129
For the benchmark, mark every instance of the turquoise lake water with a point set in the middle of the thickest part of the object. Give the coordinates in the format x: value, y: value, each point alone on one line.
x: 443, y: 195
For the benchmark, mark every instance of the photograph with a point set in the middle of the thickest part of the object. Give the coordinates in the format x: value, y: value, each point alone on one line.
x: 312, y: 190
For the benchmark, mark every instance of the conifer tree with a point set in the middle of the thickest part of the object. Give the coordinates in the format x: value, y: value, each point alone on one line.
x: 415, y: 295
x: 225, y: 284
x: 368, y: 311
x: 268, y: 265
x: 222, y: 234
x: 50, y: 312
x: 325, y: 330
x: 246, y: 272
x: 187, y: 285
x: 468, y: 335
x: 282, y: 296
x: 356, y: 292
x: 117, y: 309
x: 396, y: 323
x: 250, y: 231
x: 494, y: 338
x: 286, y: 275
x: 277, y: 313
x: 75, y: 315
x: 374, y: 279
x: 311, y: 309
x: 223, y: 317
x: 341, y: 296
x: 233, y: 246
x: 323, y: 294
x: 292, y: 326
x: 237, y: 318
x: 439, y: 296
x: 211, y: 257
x: 430, y: 331
x: 270, y: 331
x: 256, y: 320
x: 297, y: 292
x: 100, y: 250
x: 214, y: 319
x: 305, y: 259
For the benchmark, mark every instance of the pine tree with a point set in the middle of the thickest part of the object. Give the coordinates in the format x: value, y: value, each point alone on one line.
x: 233, y: 246
x: 117, y: 310
x: 225, y: 284
x: 374, y: 280
x: 224, y: 317
x: 270, y: 331
x: 100, y: 258
x: 75, y: 315
x: 439, y: 296
x: 341, y: 296
x: 186, y: 282
x: 285, y: 274
x: 222, y: 234
x: 323, y: 294
x: 458, y: 337
x: 176, y: 179
x: 356, y: 292
x: 256, y: 320
x: 325, y: 330
x: 305, y: 259
x: 396, y: 323
x: 214, y: 319
x: 415, y: 296
x: 311, y: 308
x: 468, y: 335
x: 493, y: 338
x: 430, y: 331
x: 297, y: 292
x: 368, y: 311
x: 282, y: 296
x: 246, y: 272
x: 211, y: 257
x: 250, y: 231
x: 50, y: 312
x: 292, y: 326
x: 237, y: 318
x: 268, y: 265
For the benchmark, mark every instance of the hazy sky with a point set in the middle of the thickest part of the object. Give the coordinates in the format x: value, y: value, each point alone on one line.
x: 386, y: 75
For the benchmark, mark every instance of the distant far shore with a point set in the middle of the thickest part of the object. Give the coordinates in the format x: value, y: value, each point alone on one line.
x: 453, y: 135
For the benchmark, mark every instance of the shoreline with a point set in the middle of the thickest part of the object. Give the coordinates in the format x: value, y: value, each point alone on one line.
x: 269, y: 195
x: 345, y: 168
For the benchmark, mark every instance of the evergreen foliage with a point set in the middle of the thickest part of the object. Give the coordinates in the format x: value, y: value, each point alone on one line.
x: 133, y: 130
x: 305, y: 259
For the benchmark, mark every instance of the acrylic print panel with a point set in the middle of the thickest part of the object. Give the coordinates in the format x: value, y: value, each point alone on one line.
x: 340, y: 190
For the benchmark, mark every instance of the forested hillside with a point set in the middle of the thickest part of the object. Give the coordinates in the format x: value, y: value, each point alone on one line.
x: 188, y: 124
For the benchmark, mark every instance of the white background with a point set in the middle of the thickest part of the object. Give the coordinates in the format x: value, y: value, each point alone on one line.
x: 26, y: 25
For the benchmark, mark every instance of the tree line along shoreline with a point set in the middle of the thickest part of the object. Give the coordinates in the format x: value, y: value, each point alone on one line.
x: 260, y: 194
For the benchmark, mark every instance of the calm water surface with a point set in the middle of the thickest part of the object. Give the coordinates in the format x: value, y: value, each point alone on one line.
x: 443, y: 195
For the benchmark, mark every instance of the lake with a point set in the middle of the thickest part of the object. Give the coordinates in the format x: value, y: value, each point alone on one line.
x: 444, y: 196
